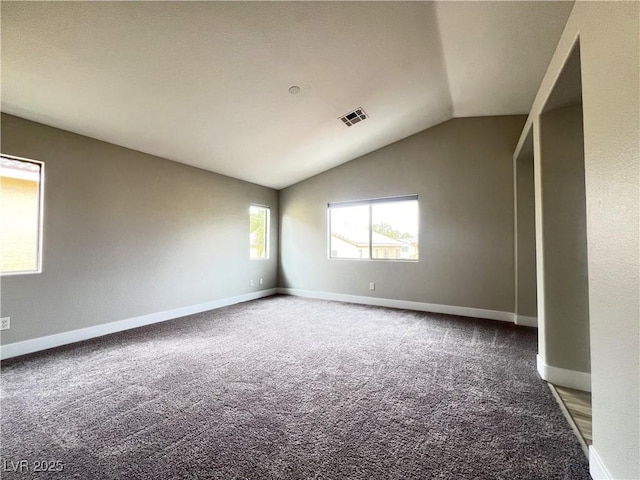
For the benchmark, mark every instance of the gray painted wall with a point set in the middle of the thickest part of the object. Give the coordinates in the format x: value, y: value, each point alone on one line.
x: 128, y: 234
x: 610, y: 49
x: 462, y: 172
x: 564, y: 231
x: 526, y: 301
x: 610, y: 56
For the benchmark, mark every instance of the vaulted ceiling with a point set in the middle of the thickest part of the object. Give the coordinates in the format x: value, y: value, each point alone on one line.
x: 207, y: 83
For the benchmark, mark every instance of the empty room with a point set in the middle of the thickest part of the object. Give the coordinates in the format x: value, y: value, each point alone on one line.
x: 332, y: 240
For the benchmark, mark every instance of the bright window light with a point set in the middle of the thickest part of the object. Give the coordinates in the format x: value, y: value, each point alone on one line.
x: 378, y: 229
x: 21, y: 184
x: 259, y: 232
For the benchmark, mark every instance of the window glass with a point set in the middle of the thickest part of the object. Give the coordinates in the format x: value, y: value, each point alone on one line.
x: 395, y: 230
x: 379, y: 229
x: 350, y: 231
x: 20, y: 211
x: 258, y: 232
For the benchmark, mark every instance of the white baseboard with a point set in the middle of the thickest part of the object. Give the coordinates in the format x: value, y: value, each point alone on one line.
x: 564, y: 377
x: 526, y: 321
x: 597, y: 468
x: 50, y: 341
x: 43, y: 343
x: 405, y: 304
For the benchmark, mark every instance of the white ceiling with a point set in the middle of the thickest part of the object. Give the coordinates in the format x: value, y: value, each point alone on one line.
x: 206, y: 83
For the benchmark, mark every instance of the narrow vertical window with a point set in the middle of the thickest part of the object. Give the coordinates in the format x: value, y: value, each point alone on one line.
x: 21, y: 184
x: 258, y: 232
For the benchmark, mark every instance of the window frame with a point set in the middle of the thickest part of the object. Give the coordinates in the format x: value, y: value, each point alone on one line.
x: 370, y: 202
x: 39, y: 252
x: 267, y: 235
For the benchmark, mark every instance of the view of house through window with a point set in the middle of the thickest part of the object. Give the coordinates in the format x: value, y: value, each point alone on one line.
x: 258, y: 232
x: 20, y: 226
x: 379, y: 229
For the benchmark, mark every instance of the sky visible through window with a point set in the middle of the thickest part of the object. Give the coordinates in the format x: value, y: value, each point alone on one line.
x: 403, y: 216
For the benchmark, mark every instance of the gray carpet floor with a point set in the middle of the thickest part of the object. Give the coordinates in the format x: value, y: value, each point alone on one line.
x: 290, y: 388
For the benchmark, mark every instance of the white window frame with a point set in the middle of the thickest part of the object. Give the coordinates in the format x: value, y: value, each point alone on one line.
x: 40, y: 216
x: 267, y: 234
x: 370, y: 202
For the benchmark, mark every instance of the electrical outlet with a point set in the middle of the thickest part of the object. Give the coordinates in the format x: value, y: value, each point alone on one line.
x: 372, y: 286
x: 261, y: 282
x: 5, y: 323
x: 251, y: 283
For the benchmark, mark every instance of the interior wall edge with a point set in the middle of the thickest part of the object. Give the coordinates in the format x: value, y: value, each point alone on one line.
x: 526, y: 321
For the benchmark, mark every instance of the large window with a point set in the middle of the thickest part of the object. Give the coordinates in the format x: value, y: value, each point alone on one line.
x: 378, y: 229
x: 258, y: 232
x: 21, y: 183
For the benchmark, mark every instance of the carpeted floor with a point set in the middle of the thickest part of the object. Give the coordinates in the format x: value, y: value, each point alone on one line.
x: 287, y: 387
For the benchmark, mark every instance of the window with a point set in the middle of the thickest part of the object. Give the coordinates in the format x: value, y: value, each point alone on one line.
x: 378, y: 229
x: 258, y: 232
x: 21, y: 183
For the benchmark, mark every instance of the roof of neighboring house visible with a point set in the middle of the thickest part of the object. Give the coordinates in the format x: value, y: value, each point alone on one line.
x: 361, y: 239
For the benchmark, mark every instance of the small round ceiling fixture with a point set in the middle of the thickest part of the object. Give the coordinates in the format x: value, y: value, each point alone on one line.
x: 294, y: 89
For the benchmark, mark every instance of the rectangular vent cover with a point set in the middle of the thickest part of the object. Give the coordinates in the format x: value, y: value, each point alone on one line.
x: 354, y: 117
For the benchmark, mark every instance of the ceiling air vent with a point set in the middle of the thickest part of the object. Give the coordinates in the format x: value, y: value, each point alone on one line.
x: 354, y: 117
